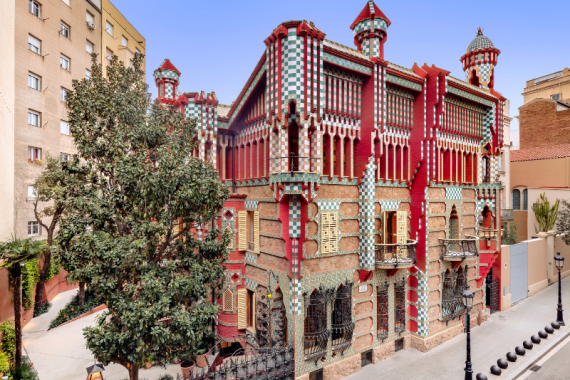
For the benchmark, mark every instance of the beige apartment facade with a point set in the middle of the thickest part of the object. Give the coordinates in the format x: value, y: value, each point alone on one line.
x: 119, y: 37
x: 554, y: 86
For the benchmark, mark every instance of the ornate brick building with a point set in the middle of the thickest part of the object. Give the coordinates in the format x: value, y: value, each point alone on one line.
x: 364, y: 194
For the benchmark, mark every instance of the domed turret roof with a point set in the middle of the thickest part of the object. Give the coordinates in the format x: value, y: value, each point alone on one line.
x: 480, y: 42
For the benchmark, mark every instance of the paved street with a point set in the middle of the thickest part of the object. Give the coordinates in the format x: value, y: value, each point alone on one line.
x: 490, y: 341
x: 553, y: 366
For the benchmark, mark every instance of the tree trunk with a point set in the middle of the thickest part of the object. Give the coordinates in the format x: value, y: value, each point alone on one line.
x: 39, y: 302
x: 17, y: 278
x: 81, y: 299
x: 134, y: 372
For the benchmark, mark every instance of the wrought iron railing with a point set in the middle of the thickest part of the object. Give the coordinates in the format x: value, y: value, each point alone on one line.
x: 383, y: 311
x: 342, y: 326
x: 317, y: 333
x: 400, y: 307
x: 452, y: 300
x: 396, y: 255
x: 295, y: 163
x: 459, y: 249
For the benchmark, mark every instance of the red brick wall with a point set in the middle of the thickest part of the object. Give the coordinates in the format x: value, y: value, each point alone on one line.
x: 540, y: 124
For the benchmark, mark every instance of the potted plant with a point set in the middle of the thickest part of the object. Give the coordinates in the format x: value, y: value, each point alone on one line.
x: 148, y: 363
x: 199, y: 357
x: 187, y: 366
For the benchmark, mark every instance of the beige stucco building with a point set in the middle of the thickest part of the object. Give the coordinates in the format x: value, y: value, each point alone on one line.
x: 45, y: 45
x: 505, y: 165
x: 119, y: 36
x: 552, y: 86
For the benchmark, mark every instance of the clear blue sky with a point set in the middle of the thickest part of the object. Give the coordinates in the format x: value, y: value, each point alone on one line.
x: 216, y: 44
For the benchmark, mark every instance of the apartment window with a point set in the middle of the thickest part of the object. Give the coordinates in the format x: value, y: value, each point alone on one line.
x: 34, y: 81
x: 64, y: 127
x: 516, y: 199
x: 109, y: 54
x: 65, y: 62
x: 32, y: 192
x: 555, y: 97
x: 137, y: 51
x: 87, y: 74
x: 65, y: 157
x: 34, y: 118
x: 89, y: 47
x: 33, y: 228
x: 109, y: 27
x: 66, y: 2
x: 65, y: 30
x: 34, y: 44
x: 63, y: 94
x: 125, y: 41
x: 34, y: 153
x: 34, y: 8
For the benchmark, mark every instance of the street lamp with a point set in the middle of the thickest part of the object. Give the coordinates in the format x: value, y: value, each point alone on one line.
x: 468, y: 296
x: 559, y: 260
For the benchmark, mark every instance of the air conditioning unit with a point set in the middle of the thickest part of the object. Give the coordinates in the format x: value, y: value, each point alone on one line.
x: 90, y: 25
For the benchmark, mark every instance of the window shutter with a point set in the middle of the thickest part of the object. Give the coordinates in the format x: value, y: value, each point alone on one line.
x: 325, y: 238
x: 242, y: 221
x: 242, y: 308
x: 402, y: 228
x: 333, y: 232
x: 384, y: 221
x: 329, y: 232
x: 253, y: 307
x: 256, y: 231
x: 228, y: 301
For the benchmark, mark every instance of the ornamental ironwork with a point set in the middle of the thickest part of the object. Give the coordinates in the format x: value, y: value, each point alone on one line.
x: 400, y: 306
x: 342, y: 325
x: 271, y: 319
x: 278, y: 321
x: 249, y: 364
x: 493, y: 287
x: 396, y: 255
x: 382, y: 311
x: 459, y: 249
x: 452, y: 303
x: 317, y: 333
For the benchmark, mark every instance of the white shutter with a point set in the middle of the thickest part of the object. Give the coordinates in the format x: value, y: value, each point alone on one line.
x: 242, y: 308
x: 35, y: 44
x: 256, y: 231
x: 89, y: 18
x: 124, y: 41
x: 242, y: 230
x: 66, y: 2
x: 88, y: 46
x: 64, y: 127
x: 87, y: 74
x: 109, y: 28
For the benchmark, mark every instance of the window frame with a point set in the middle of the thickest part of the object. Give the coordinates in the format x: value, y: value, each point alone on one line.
x: 35, y: 225
x: 87, y: 43
x: 89, y: 14
x: 107, y: 56
x: 64, y: 156
x: 38, y: 8
x: 38, y: 116
x: 31, y: 153
x: 123, y: 40
x: 112, y: 27
x: 62, y: 91
x: 39, y: 52
x: 87, y: 74
x: 33, y: 194
x: 518, y: 192
x: 37, y: 78
x: 64, y: 27
x: 62, y: 130
x: 64, y: 58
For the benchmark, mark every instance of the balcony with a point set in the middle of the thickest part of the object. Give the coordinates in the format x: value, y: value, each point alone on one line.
x: 391, y: 256
x: 488, y: 233
x: 459, y: 249
x: 294, y: 164
x: 507, y: 215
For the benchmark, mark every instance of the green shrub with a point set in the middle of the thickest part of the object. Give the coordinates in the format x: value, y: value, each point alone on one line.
x: 4, y: 363
x: 73, y: 309
x: 30, y: 277
x: 42, y: 309
x: 9, y: 339
x: 25, y: 372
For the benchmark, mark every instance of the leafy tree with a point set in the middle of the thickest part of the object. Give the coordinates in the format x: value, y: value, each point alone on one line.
x: 133, y: 220
x: 545, y: 215
x: 563, y: 222
x: 16, y: 253
x: 510, y: 234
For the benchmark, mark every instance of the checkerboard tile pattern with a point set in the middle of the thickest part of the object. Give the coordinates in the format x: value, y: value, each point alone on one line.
x: 251, y: 205
x: 294, y: 217
x: 296, y: 297
x: 453, y: 192
x: 366, y: 217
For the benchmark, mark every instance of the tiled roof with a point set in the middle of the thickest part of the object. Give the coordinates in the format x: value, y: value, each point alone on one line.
x: 345, y: 49
x: 402, y: 69
x: 223, y: 110
x: 480, y: 42
x: 541, y: 153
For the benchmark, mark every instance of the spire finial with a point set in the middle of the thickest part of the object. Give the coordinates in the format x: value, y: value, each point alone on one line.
x: 479, y: 32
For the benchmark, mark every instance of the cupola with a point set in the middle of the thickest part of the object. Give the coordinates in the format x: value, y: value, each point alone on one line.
x: 479, y: 61
x: 370, y: 31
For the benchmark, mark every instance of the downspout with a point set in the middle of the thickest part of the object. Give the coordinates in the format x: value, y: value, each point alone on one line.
x: 233, y: 165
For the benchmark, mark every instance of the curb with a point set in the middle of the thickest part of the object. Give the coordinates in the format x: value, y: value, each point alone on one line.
x: 98, y: 308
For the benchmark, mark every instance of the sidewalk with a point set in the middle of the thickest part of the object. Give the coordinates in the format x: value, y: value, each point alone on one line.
x: 489, y: 342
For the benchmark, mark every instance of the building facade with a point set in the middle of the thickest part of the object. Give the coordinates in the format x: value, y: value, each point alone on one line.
x: 555, y: 86
x: 363, y: 195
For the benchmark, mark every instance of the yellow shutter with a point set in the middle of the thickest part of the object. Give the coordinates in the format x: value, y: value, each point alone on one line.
x: 256, y: 231
x: 242, y: 308
x: 329, y: 232
x: 228, y: 300
x: 253, y: 314
x: 242, y: 232
x: 384, y: 221
x: 402, y: 227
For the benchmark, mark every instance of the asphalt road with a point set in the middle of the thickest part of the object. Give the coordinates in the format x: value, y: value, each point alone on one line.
x: 552, y: 366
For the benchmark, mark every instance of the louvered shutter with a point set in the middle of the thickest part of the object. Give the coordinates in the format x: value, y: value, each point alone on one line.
x: 242, y: 222
x: 402, y: 229
x: 333, y: 232
x: 253, y: 314
x: 242, y: 308
x: 325, y: 237
x: 228, y: 301
x: 256, y: 231
x: 384, y: 222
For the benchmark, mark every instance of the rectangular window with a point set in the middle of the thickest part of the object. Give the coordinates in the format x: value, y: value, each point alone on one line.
x: 109, y: 27
x: 89, y: 47
x: 109, y: 54
x: 65, y: 157
x: 65, y: 30
x: 34, y: 153
x: 34, y: 44
x: 63, y: 94
x: 555, y: 97
x: 246, y: 309
x: 125, y: 41
x: 89, y: 18
x: 329, y: 232
x: 66, y: 2
x: 65, y: 62
x: 32, y: 192
x: 33, y: 228
x: 87, y: 74
x: 64, y: 127
x: 137, y: 51
x: 34, y: 118
x: 34, y: 8
x: 34, y: 81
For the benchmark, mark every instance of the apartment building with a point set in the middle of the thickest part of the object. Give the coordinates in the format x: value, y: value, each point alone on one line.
x: 47, y: 45
x: 119, y: 36
x: 555, y: 86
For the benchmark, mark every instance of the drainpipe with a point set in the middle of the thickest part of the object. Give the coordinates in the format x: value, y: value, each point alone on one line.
x: 233, y: 165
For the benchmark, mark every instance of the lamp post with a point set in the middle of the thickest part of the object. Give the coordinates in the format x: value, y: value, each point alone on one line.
x: 468, y: 296
x: 559, y: 260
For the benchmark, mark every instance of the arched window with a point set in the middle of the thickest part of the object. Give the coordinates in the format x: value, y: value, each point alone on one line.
x: 342, y: 325
x: 525, y: 199
x: 452, y: 303
x: 316, y: 332
x: 516, y: 199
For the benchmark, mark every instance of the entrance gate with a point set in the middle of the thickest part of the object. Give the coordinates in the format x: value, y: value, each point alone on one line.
x: 519, y: 272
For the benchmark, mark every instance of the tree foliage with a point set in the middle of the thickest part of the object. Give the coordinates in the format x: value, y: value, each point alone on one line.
x: 563, y: 222
x: 510, y: 234
x: 130, y: 233
x: 544, y: 214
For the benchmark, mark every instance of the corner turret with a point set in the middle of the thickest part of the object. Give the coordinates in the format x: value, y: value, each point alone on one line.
x: 370, y: 31
x: 479, y: 62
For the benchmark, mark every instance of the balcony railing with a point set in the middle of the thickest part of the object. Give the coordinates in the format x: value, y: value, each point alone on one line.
x: 295, y: 163
x: 459, y: 249
x: 507, y: 214
x: 391, y: 256
x: 488, y: 233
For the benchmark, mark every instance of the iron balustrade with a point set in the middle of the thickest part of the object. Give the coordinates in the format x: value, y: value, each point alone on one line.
x: 400, y: 306
x: 295, y: 163
x: 383, y: 311
x: 317, y: 333
x: 488, y: 233
x: 342, y: 325
x: 401, y: 255
x: 459, y: 249
x: 452, y: 302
